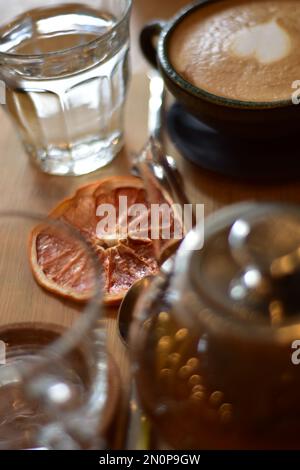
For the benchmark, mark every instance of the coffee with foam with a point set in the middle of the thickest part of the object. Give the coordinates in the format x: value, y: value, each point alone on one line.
x: 240, y: 49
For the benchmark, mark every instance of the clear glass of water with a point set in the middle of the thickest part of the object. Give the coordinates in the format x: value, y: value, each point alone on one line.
x: 55, y: 375
x: 65, y: 69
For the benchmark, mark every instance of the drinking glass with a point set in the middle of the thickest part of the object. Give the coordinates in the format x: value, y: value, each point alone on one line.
x: 65, y: 69
x: 54, y: 379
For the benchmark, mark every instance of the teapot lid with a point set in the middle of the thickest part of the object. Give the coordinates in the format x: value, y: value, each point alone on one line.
x: 250, y: 264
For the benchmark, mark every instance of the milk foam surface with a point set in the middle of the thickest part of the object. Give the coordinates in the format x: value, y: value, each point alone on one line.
x: 266, y: 42
x: 240, y: 49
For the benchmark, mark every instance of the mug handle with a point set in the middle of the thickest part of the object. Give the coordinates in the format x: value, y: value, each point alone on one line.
x: 148, y: 35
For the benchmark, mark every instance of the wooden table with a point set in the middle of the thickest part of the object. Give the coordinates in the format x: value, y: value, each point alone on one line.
x: 24, y: 187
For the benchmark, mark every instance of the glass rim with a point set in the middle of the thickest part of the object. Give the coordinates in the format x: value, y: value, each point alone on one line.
x: 92, y: 308
x: 55, y: 54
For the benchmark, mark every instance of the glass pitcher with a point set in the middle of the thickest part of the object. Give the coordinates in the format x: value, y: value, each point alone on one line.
x: 214, y: 342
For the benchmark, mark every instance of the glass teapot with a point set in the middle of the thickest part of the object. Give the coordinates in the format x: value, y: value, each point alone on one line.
x: 214, y: 342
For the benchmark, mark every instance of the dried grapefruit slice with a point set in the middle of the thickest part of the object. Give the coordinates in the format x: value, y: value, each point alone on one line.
x: 64, y: 269
x: 61, y: 264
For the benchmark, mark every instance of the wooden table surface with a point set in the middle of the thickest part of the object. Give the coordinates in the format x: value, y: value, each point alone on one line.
x: 24, y: 187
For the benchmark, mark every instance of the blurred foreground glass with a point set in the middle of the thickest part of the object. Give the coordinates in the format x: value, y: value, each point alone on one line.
x: 213, y: 343
x: 53, y: 365
x: 65, y: 68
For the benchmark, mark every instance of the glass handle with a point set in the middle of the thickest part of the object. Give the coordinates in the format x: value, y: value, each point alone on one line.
x: 156, y: 106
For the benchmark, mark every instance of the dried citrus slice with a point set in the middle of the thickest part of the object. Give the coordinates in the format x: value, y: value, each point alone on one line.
x: 63, y: 268
x: 61, y: 264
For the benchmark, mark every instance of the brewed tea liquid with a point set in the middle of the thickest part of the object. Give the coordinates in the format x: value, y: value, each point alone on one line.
x: 206, y: 392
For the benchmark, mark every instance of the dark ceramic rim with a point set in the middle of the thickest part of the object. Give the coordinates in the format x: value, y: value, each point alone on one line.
x: 163, y: 43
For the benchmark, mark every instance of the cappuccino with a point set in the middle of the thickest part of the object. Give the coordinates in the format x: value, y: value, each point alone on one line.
x: 240, y: 49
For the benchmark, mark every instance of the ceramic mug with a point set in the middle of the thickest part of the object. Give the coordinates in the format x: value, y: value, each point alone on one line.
x: 230, y: 116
